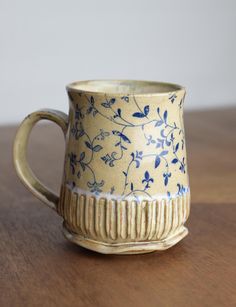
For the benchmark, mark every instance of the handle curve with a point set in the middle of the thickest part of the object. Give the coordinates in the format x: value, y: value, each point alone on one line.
x: 23, y: 170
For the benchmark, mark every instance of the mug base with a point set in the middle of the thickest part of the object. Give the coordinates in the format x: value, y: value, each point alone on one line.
x: 125, y: 248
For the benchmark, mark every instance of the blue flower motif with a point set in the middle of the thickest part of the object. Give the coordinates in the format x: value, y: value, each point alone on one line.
x: 109, y: 159
x: 147, y: 179
x: 95, y: 187
x: 137, y: 156
x: 181, y: 189
x: 108, y: 103
x: 160, y: 135
x: 91, y: 107
x: 166, y: 177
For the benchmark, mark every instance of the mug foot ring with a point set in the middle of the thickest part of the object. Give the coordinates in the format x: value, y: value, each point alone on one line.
x: 125, y: 248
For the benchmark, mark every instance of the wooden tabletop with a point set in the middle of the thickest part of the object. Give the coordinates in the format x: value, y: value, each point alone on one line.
x: 38, y: 267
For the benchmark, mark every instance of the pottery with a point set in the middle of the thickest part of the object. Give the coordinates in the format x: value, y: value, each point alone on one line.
x: 125, y: 186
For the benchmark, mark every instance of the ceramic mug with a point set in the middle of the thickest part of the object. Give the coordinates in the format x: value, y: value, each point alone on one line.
x: 125, y: 187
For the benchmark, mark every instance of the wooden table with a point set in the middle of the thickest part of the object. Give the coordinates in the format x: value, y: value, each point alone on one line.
x: 38, y: 267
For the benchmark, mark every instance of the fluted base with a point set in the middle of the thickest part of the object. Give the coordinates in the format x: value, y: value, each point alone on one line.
x: 125, y: 248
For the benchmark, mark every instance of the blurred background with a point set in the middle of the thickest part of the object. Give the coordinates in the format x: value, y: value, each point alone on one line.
x: 49, y: 43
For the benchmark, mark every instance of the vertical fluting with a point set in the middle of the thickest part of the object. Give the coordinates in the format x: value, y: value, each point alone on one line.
x: 133, y: 229
x: 102, y: 217
x: 123, y: 221
x: 81, y: 213
x: 73, y: 210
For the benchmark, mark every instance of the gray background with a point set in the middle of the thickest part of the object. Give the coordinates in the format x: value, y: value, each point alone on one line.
x: 46, y: 44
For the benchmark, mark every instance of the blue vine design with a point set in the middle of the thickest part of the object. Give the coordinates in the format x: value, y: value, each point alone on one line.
x: 163, y: 144
x: 78, y: 131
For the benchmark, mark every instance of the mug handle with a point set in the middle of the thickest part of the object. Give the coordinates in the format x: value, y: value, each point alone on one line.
x: 23, y: 170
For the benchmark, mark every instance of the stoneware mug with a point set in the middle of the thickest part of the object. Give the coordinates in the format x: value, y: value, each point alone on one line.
x: 125, y: 187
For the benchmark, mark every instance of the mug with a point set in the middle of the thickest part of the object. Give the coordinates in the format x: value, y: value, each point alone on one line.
x: 125, y: 187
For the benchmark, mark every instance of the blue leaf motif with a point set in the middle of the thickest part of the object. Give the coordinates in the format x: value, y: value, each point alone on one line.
x: 138, y: 114
x: 121, y: 135
x: 166, y: 180
x: 163, y: 153
x: 162, y: 133
x: 92, y: 100
x: 176, y: 147
x: 125, y: 138
x: 158, y: 123
x: 82, y: 155
x: 174, y: 161
x: 142, y: 114
x: 137, y: 163
x: 157, y: 161
x: 97, y: 148
x: 112, y: 101
x: 168, y: 143
x: 146, y: 110
x: 119, y: 112
x: 88, y: 145
x: 165, y: 115
x: 106, y: 104
x: 131, y: 186
x: 179, y: 187
x: 146, y: 175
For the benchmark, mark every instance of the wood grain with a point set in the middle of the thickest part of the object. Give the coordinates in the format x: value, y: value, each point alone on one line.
x: 38, y: 267
x: 211, y: 146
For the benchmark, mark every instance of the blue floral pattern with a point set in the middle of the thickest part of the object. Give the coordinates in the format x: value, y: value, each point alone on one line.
x: 159, y: 135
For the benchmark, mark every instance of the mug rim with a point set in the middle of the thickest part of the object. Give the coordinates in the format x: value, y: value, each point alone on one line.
x: 77, y: 86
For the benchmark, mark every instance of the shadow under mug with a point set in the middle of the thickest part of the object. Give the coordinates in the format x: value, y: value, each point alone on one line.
x: 125, y: 187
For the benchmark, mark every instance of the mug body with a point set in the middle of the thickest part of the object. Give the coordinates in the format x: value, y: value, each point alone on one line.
x: 125, y: 187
